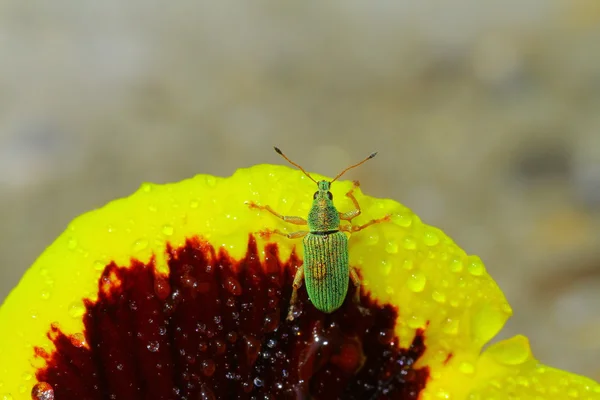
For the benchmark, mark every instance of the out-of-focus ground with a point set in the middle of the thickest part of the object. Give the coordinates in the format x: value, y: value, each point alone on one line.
x: 486, y: 117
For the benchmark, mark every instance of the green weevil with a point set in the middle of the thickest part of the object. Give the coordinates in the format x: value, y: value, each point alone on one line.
x: 326, y: 266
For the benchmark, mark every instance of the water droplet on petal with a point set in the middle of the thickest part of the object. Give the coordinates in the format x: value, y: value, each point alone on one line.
x: 42, y: 391
x: 456, y: 265
x: 416, y: 282
x: 72, y: 244
x: 438, y: 296
x: 208, y: 367
x: 430, y: 238
x: 78, y: 339
x: 139, y: 245
x: 466, y: 368
x: 153, y: 346
x: 451, y: 326
x: 386, y: 267
x: 373, y: 239
x: 476, y: 266
x: 233, y: 286
x: 258, y: 382
x: 409, y: 243
x: 391, y: 247
x: 416, y: 322
x: 99, y: 265
x: 403, y: 219
x: 167, y: 230
x: 76, y: 310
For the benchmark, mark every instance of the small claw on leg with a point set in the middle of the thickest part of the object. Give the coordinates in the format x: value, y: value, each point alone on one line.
x: 293, y: 313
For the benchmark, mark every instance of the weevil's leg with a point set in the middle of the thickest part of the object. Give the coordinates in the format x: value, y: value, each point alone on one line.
x: 286, y: 218
x: 356, y: 281
x: 298, y: 280
x: 348, y: 216
x: 354, y: 228
x: 291, y: 235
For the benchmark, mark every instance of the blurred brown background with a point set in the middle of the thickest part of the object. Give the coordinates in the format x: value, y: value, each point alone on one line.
x: 486, y: 117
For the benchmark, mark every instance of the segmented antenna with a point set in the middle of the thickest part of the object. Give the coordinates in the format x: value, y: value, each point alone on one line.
x: 354, y: 166
x: 294, y: 164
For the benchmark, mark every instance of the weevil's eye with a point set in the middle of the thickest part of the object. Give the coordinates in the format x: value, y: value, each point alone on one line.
x: 315, y: 195
x: 330, y: 195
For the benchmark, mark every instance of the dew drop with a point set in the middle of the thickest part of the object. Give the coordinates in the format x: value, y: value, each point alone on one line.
x: 99, y: 265
x: 208, y: 367
x: 220, y: 347
x: 416, y: 282
x: 466, y: 368
x: 391, y: 247
x: 386, y: 267
x: 271, y: 322
x: 258, y: 382
x: 42, y: 391
x: 211, y: 181
x: 456, y: 265
x: 451, y: 326
x: 409, y: 243
x: 76, y: 310
x: 78, y: 340
x: 252, y: 350
x: 72, y: 244
x: 153, y: 346
x: 408, y: 264
x: 233, y: 286
x: 404, y: 219
x: 373, y: 239
x: 146, y: 187
x: 430, y: 238
x: 232, y: 337
x: 45, y: 294
x: 167, y: 230
x: 476, y: 266
x: 206, y: 393
x: 139, y: 245
x: 386, y: 336
x: 438, y: 296
x: 194, y: 204
x: 162, y: 288
x: 5, y: 396
x: 416, y: 322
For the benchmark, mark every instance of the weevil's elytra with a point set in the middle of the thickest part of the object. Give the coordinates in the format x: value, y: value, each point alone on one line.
x: 326, y: 269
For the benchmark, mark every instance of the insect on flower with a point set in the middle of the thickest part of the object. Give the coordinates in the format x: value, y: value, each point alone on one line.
x: 326, y: 267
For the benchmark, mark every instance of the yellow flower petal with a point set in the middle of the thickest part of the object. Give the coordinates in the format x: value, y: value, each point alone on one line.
x: 441, y: 294
x: 509, y: 369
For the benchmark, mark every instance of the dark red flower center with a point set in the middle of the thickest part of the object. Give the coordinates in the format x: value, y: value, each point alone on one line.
x: 215, y: 328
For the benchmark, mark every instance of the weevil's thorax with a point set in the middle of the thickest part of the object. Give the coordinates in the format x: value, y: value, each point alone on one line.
x: 323, y: 216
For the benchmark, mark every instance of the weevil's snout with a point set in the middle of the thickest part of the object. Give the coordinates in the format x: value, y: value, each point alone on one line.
x: 323, y: 186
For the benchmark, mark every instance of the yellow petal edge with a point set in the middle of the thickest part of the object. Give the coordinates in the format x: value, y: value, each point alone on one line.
x: 434, y: 284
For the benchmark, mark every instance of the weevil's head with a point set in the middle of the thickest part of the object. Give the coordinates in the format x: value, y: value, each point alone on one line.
x: 323, y: 197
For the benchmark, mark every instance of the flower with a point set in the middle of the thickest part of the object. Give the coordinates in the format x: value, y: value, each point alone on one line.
x: 170, y: 293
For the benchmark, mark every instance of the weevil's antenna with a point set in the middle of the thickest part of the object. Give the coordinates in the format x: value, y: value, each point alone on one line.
x: 294, y: 164
x: 354, y: 166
